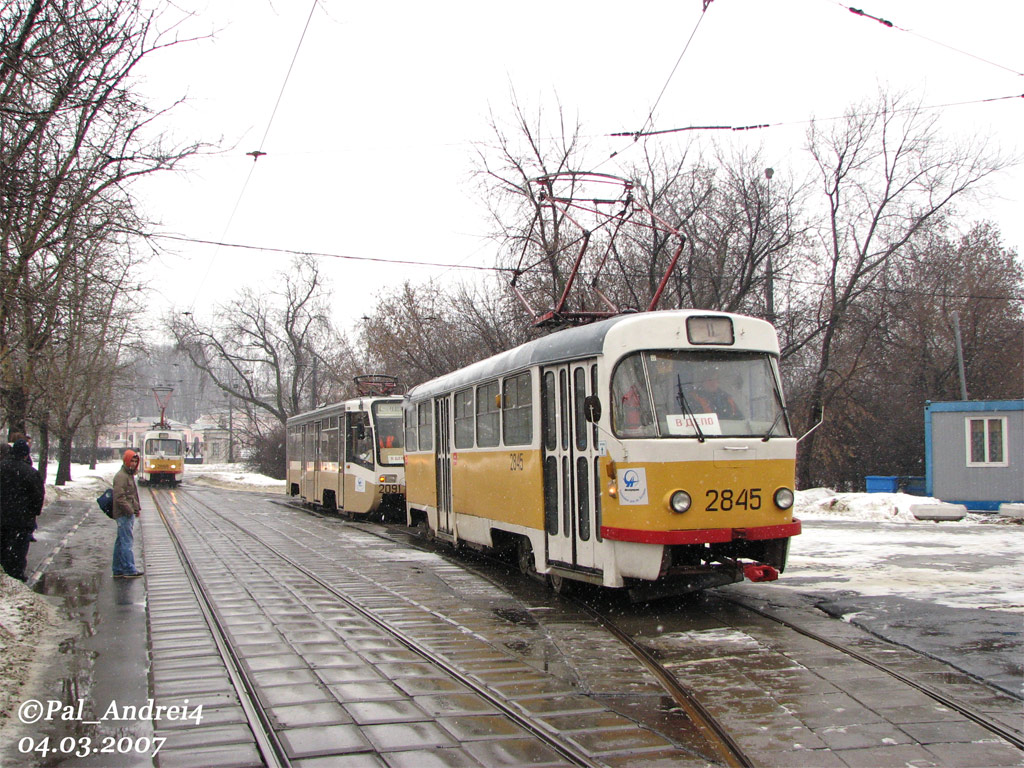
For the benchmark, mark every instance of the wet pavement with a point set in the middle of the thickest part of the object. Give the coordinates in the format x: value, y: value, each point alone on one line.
x: 374, y: 704
x: 103, y: 652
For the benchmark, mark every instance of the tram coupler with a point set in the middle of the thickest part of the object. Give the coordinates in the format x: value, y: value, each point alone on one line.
x: 760, y: 572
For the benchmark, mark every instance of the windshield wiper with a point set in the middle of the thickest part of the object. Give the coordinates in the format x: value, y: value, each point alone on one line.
x: 687, y: 411
x: 778, y: 416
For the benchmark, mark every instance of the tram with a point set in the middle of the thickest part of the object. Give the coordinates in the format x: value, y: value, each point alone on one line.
x: 347, y: 457
x: 650, y: 452
x: 162, y: 458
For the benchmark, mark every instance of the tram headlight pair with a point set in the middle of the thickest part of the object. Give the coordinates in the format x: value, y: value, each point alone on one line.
x: 680, y: 502
x: 784, y: 498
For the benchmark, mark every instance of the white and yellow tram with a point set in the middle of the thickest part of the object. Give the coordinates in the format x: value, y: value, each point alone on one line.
x: 648, y: 451
x: 162, y: 457
x: 348, y: 456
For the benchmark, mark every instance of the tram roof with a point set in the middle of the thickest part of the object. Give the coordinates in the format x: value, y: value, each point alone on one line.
x: 571, y: 343
x: 352, y: 404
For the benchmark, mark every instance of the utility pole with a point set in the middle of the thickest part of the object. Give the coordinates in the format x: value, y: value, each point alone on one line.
x: 959, y: 355
x: 769, y: 291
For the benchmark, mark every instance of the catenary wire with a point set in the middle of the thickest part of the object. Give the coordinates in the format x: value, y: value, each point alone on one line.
x: 891, y: 25
x: 509, y: 270
x: 928, y: 108
x: 257, y: 153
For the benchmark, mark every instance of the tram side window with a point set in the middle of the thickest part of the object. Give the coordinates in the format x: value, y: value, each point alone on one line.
x: 325, y: 449
x: 464, y: 419
x: 411, y: 427
x: 309, y: 447
x: 487, y: 415
x: 359, y: 439
x: 330, y: 454
x: 517, y: 413
x: 632, y: 415
x: 548, y: 425
x: 425, y: 425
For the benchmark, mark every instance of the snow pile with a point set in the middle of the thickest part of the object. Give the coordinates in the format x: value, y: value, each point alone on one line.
x: 824, y: 504
x: 231, y: 476
x: 27, y: 621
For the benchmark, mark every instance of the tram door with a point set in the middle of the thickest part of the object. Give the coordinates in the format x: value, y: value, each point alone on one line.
x: 571, y: 517
x: 443, y: 460
x: 311, y: 440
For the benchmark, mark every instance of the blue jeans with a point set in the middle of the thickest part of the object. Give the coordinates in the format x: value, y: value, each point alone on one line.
x: 124, y: 558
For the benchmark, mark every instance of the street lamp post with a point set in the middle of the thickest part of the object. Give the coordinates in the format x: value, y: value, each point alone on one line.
x: 769, y: 291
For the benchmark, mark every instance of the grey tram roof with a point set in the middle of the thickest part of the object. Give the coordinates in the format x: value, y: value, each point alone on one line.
x: 342, y: 406
x: 568, y: 344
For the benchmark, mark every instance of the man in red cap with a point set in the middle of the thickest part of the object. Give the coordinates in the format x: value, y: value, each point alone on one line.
x: 126, y: 509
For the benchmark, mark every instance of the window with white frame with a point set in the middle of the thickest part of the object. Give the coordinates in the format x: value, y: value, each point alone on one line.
x: 986, y: 441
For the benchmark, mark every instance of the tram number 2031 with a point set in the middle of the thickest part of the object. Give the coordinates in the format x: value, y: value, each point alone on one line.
x: 727, y: 499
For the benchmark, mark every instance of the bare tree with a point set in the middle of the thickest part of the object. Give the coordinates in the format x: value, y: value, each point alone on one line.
x: 886, y: 177
x: 735, y: 221
x: 420, y: 332
x: 73, y: 137
x: 276, y: 351
x: 537, y: 242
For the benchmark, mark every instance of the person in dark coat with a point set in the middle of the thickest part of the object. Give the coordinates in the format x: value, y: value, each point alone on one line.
x: 21, y: 500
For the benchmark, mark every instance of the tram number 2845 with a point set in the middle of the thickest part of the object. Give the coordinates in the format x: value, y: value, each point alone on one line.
x: 728, y: 499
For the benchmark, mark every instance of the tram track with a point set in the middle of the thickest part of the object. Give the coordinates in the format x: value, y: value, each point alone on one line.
x: 979, y: 718
x: 726, y: 749
x: 259, y: 721
x: 729, y: 749
x: 267, y: 742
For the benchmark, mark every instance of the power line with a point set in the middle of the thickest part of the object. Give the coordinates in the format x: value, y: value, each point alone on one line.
x: 650, y: 115
x: 508, y: 270
x: 758, y: 126
x: 295, y: 252
x: 891, y: 25
x: 258, y: 152
x: 280, y: 94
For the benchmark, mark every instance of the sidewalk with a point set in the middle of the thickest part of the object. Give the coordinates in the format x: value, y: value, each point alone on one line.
x: 99, y: 657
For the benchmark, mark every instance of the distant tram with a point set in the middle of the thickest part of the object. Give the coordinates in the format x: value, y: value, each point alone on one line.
x: 163, y: 456
x: 650, y: 452
x: 348, y: 457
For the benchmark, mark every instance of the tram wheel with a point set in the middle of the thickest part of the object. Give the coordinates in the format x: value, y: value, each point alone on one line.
x: 560, y: 584
x: 524, y: 557
x: 423, y: 530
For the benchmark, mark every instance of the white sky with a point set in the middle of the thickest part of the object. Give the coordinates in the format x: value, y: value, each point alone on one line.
x: 371, y: 150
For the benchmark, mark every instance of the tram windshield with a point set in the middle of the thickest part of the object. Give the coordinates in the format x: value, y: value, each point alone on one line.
x: 697, y: 393
x: 387, y: 418
x: 163, y: 446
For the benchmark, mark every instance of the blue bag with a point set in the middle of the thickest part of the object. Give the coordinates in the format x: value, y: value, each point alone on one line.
x: 106, y: 502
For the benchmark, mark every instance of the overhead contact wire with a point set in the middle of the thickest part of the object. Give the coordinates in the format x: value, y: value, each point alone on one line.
x: 258, y: 152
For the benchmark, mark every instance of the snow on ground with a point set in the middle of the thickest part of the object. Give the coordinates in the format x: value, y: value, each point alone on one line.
x: 971, y: 563
x: 89, y: 483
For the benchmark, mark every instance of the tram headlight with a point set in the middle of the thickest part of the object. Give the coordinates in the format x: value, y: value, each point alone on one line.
x: 784, y: 498
x: 680, y: 501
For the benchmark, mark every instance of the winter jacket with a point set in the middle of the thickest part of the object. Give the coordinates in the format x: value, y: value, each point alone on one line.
x: 126, y: 495
x: 21, y: 493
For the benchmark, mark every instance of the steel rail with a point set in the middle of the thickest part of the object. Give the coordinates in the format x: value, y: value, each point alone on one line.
x: 711, y: 730
x: 668, y: 680
x: 538, y: 730
x: 985, y: 722
x: 714, y: 733
x: 269, y: 745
